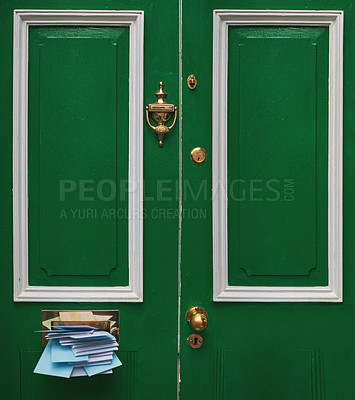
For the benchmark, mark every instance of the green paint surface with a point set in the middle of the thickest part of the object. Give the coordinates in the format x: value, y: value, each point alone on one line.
x: 251, y: 351
x: 78, y: 130
x: 277, y: 156
x: 78, y: 165
x: 282, y: 374
x: 283, y: 104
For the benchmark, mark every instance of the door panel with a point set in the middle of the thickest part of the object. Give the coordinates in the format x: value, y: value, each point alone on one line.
x: 59, y: 146
x: 270, y: 93
x: 270, y: 148
x: 124, y: 383
x: 78, y: 113
x: 232, y: 222
x: 304, y: 382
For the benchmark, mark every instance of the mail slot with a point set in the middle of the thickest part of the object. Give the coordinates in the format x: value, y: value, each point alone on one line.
x: 106, y: 320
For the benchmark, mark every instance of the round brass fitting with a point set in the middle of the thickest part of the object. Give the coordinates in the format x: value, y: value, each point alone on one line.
x: 195, y: 341
x: 198, y: 155
x: 192, y: 82
x: 196, y: 317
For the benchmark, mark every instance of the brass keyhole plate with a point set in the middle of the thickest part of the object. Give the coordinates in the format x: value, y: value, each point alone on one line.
x: 192, y: 82
x: 198, y: 155
x: 195, y: 341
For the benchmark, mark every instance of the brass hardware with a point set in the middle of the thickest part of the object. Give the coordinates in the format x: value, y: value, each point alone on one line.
x: 198, y: 155
x: 192, y: 82
x: 104, y: 320
x: 195, y: 341
x: 161, y: 112
x: 197, y: 318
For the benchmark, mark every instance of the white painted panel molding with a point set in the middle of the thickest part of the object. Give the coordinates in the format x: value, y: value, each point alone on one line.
x: 222, y: 292
x: 23, y: 292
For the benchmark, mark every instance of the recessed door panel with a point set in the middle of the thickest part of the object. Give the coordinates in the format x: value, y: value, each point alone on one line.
x: 239, y: 368
x: 78, y: 155
x: 78, y: 162
x: 277, y: 156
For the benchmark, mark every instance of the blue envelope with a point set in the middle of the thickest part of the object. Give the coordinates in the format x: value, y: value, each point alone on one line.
x: 64, y: 353
x: 97, y: 369
x: 46, y: 367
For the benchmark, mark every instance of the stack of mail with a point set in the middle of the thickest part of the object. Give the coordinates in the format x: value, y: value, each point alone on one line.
x: 78, y: 351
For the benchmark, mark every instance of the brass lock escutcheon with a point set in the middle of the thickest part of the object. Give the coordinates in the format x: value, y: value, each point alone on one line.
x: 192, y: 82
x: 198, y: 155
x: 195, y: 341
x: 161, y: 112
x: 197, y: 318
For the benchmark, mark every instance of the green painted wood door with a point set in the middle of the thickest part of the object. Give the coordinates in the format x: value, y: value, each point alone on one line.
x: 78, y: 242
x: 95, y: 215
x: 264, y: 256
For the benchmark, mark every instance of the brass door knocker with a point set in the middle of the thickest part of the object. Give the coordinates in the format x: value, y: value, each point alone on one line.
x: 161, y: 112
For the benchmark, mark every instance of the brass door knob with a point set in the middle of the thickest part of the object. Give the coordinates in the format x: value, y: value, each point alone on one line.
x: 197, y: 318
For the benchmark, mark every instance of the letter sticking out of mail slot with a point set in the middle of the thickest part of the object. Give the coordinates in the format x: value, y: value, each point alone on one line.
x: 78, y: 350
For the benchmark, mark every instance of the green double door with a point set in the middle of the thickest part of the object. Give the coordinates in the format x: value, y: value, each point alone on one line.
x: 96, y: 216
